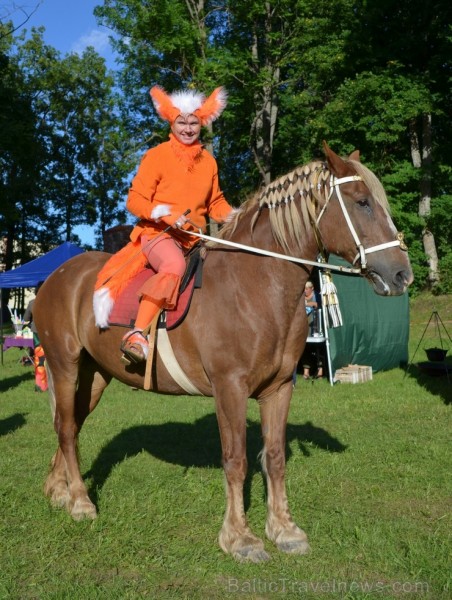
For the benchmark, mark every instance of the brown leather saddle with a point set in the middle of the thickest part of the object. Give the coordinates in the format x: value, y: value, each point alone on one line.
x: 125, y: 308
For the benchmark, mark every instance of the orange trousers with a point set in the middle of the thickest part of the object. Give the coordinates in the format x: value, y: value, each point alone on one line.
x: 161, y: 291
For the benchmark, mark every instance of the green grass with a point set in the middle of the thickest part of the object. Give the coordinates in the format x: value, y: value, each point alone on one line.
x: 368, y: 478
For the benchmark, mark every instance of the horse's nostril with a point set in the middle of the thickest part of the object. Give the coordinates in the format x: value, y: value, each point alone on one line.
x: 403, y: 278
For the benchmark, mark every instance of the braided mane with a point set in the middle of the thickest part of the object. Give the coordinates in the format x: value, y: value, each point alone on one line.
x: 287, y: 201
x: 292, y: 201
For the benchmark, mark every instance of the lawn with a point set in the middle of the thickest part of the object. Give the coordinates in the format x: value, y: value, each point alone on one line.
x: 368, y: 478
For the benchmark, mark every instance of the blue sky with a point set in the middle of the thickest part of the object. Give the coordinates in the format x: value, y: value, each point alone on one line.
x: 70, y: 24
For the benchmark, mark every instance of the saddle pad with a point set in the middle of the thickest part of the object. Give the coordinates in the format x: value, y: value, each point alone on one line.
x: 126, y: 306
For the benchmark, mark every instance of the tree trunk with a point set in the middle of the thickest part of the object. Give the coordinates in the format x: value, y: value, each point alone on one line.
x: 263, y: 126
x: 422, y: 159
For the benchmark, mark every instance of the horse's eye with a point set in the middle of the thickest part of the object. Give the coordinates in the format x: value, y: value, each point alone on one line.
x: 364, y: 203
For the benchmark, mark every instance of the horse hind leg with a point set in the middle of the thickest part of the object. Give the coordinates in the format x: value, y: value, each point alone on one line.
x: 56, y: 485
x: 64, y: 485
x: 279, y: 528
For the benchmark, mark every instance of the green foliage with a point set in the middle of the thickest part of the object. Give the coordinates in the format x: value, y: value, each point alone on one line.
x: 372, y: 111
x: 445, y: 268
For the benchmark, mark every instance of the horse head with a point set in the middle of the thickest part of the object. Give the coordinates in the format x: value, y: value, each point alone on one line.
x: 355, y: 223
x: 335, y: 206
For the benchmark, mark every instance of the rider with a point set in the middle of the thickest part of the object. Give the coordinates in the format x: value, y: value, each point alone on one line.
x: 175, y: 176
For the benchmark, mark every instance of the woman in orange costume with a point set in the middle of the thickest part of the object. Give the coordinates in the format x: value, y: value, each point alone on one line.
x: 176, y: 176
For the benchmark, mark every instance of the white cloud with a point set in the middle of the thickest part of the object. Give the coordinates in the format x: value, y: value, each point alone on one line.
x: 95, y: 38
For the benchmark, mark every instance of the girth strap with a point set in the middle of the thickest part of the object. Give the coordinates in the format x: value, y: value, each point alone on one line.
x: 169, y: 359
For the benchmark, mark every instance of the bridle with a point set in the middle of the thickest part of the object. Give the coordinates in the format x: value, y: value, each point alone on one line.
x: 334, y: 185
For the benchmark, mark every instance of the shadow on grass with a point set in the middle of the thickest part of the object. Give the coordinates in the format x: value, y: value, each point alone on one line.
x: 12, y: 382
x: 197, y: 445
x: 12, y: 423
x: 436, y: 381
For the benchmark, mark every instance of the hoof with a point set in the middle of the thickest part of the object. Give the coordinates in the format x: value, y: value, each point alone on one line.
x: 58, y: 494
x: 244, y: 547
x: 83, y: 509
x: 60, y: 499
x: 289, y: 539
x: 251, y: 554
x: 294, y: 547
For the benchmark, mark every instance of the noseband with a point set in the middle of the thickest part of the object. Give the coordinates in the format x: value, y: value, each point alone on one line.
x: 335, y: 184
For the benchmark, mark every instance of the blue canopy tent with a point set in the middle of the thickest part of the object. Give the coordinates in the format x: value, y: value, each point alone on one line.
x: 32, y: 273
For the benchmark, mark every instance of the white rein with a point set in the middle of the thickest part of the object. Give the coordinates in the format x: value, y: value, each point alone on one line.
x: 254, y: 250
x: 334, y: 183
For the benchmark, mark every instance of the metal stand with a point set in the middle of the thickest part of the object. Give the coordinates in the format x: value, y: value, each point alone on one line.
x: 322, y: 338
x: 438, y: 321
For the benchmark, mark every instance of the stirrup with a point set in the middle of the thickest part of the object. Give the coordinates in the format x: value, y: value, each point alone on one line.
x: 134, y: 347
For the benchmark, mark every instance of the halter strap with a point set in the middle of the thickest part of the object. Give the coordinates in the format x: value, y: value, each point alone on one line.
x: 335, y: 182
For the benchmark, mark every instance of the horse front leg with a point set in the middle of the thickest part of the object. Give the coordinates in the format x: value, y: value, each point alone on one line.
x: 280, y: 528
x: 236, y: 537
x: 56, y: 486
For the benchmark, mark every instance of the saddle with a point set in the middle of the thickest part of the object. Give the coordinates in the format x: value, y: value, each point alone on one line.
x: 125, y: 309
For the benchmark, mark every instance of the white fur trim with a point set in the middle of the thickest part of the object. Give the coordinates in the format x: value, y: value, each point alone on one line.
x: 187, y: 101
x: 162, y: 210
x: 102, y: 305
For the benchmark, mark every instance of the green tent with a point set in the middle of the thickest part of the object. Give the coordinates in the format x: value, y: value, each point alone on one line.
x: 375, y: 328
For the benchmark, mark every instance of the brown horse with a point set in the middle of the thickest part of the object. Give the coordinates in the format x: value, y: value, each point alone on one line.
x: 242, y: 338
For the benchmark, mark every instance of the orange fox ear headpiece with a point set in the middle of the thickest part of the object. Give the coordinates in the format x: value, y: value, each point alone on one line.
x: 189, y: 102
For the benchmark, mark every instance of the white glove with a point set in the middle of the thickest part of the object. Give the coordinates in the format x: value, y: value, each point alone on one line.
x: 162, y: 210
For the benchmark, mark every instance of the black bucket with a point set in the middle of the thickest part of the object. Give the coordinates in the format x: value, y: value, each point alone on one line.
x: 436, y: 354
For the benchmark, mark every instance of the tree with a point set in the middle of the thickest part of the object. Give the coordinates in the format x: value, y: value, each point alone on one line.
x: 6, y: 12
x: 75, y: 118
x: 389, y: 99
x: 88, y: 165
x: 22, y: 158
x: 417, y: 39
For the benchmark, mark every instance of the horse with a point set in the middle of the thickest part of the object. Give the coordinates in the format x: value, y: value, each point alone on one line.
x: 242, y: 337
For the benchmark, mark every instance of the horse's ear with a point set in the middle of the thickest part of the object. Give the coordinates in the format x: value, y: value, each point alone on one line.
x: 335, y: 162
x: 354, y: 156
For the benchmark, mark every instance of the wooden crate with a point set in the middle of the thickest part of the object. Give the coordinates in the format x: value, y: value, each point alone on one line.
x: 353, y: 374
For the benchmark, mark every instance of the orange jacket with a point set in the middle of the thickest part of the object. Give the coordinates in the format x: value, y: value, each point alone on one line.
x: 164, y: 177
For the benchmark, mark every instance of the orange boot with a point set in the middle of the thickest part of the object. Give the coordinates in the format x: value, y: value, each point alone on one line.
x: 134, y: 345
x: 160, y: 291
